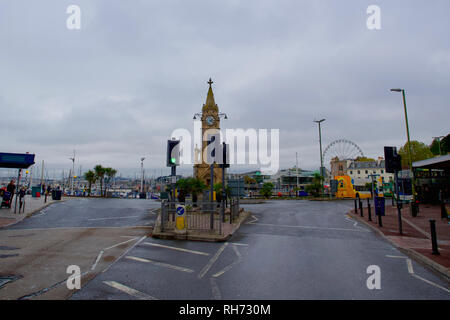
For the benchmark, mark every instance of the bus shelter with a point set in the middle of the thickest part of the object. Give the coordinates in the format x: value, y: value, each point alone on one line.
x: 18, y: 161
x: 433, y: 179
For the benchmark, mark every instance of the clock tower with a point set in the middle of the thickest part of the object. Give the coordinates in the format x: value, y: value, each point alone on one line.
x: 210, y: 121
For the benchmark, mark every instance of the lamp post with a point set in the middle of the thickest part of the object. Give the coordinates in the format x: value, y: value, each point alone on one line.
x: 142, y: 174
x: 413, y: 212
x: 321, y: 155
x: 73, y: 171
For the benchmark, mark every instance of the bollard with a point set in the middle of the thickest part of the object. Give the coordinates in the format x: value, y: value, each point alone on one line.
x: 356, y: 207
x: 443, y: 211
x: 380, y: 221
x: 369, y: 211
x: 361, y: 208
x: 434, y: 244
x: 392, y: 198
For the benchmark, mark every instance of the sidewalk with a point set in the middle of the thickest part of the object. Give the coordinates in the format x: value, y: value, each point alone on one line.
x: 32, y: 205
x: 416, y: 239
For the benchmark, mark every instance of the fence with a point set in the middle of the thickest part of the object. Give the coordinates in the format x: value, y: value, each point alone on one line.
x: 208, y: 217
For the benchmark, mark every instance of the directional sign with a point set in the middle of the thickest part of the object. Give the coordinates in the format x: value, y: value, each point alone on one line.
x: 181, y: 219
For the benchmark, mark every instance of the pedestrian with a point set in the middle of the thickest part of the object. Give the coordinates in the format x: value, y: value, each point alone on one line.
x: 11, y: 188
x: 22, y: 199
x: 47, y: 192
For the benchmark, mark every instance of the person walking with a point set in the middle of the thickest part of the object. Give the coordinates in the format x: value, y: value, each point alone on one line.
x: 11, y: 188
x: 22, y: 199
x: 47, y: 192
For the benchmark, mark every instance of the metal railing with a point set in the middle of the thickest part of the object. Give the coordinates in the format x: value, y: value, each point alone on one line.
x: 206, y: 217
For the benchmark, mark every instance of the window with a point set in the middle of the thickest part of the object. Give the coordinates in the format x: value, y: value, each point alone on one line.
x: 367, y: 171
x: 382, y: 171
x: 351, y: 172
x: 359, y: 171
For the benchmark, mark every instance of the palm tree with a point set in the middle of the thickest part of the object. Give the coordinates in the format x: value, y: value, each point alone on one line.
x: 197, y: 186
x: 110, y: 173
x: 100, y: 174
x: 90, y: 177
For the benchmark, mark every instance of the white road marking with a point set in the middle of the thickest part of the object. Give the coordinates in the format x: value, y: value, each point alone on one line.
x: 399, y: 257
x: 431, y: 283
x: 118, y: 244
x: 212, y: 261
x: 175, y: 248
x: 215, y: 289
x: 237, y: 251
x: 75, y: 228
x: 410, y: 267
x: 112, y: 218
x: 130, y: 291
x: 97, y: 260
x: 161, y: 264
x: 128, y: 250
x: 239, y: 244
x: 228, y: 268
x: 308, y: 227
x: 254, y: 220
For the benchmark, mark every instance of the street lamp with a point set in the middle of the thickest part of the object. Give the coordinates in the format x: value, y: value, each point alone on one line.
x: 73, y: 170
x: 413, y: 212
x: 321, y: 155
x: 142, y: 174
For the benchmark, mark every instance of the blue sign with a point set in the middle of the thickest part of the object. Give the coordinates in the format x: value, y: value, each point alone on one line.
x: 180, y: 210
x: 379, y: 206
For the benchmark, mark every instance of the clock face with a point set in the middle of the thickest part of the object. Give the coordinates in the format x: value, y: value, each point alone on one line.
x: 210, y: 120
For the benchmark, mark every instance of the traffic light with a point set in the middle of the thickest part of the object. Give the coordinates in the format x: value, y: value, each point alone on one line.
x: 173, y: 153
x: 393, y: 161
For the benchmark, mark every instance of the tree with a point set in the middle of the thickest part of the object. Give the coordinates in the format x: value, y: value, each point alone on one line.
x: 100, y: 174
x: 197, y: 186
x: 364, y: 159
x: 90, y: 177
x: 419, y: 151
x: 249, y: 180
x: 266, y: 190
x: 184, y: 187
x: 444, y: 146
x: 315, y: 187
x: 110, y: 174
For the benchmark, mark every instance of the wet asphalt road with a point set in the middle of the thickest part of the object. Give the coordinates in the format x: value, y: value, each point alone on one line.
x: 285, y: 250
x: 92, y: 213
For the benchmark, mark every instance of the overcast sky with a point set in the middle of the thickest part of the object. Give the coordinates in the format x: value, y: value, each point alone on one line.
x: 136, y: 70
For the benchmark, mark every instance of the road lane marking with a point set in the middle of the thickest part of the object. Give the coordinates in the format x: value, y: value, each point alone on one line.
x: 130, y: 291
x: 161, y: 264
x: 215, y: 289
x: 309, y: 227
x: 97, y: 260
x: 118, y: 244
x: 239, y: 244
x: 112, y: 218
x: 212, y: 261
x: 128, y: 250
x: 431, y: 283
x: 175, y: 248
x: 237, y: 251
x: 410, y: 267
x: 398, y: 257
x: 254, y: 220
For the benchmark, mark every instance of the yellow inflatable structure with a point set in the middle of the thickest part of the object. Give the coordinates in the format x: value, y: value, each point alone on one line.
x: 345, y: 189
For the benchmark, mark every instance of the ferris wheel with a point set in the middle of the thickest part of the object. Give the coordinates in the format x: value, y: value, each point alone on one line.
x: 343, y: 149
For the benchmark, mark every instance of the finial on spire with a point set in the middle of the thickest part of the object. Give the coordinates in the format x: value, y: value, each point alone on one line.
x: 210, y: 82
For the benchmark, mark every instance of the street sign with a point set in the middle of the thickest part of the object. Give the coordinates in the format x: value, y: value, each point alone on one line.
x: 181, y: 220
x: 379, y: 206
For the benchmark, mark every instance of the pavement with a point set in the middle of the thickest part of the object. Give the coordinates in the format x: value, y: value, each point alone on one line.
x: 416, y: 237
x: 286, y: 250
x: 32, y: 205
x: 89, y: 233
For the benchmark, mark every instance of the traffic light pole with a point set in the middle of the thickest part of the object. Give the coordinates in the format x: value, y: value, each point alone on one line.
x: 399, y: 211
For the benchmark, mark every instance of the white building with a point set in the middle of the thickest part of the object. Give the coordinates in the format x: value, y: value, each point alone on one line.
x: 360, y: 171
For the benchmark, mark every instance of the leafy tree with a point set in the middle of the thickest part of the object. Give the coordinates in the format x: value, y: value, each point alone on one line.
x: 266, y: 190
x: 444, y: 146
x: 100, y: 175
x: 315, y: 187
x: 218, y: 190
x: 249, y: 180
x: 90, y: 177
x: 419, y: 151
x: 197, y: 186
x: 110, y: 173
x: 364, y: 159
x: 184, y: 187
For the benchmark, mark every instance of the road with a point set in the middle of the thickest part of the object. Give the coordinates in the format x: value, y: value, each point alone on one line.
x: 89, y: 233
x: 285, y: 250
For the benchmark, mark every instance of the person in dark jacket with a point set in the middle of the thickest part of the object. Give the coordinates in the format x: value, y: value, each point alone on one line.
x: 11, y: 188
x: 22, y: 199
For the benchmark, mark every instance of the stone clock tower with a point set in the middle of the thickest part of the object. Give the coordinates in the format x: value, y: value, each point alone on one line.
x: 210, y: 120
